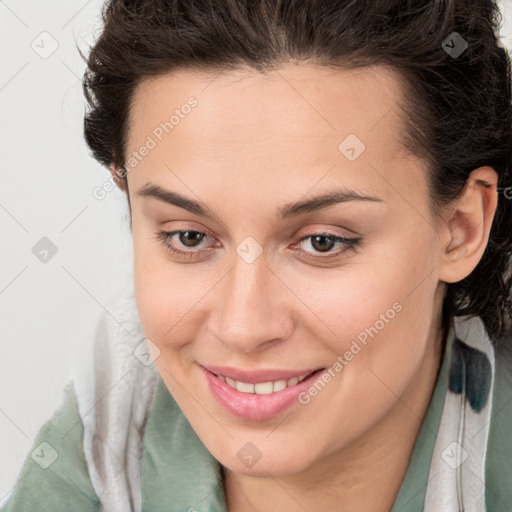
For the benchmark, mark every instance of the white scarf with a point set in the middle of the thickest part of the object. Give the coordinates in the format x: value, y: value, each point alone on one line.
x: 457, y: 471
x: 115, y: 386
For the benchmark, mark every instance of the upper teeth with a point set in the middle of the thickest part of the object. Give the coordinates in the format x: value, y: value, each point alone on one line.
x: 262, y: 388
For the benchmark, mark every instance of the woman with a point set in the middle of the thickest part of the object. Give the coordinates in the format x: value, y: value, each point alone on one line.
x: 320, y: 317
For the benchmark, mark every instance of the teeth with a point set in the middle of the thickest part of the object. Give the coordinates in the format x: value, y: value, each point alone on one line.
x: 262, y: 388
x: 292, y: 382
x: 244, y: 387
x: 279, y: 385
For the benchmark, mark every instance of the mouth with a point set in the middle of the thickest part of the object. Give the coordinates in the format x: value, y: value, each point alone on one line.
x: 257, y: 401
x: 264, y: 388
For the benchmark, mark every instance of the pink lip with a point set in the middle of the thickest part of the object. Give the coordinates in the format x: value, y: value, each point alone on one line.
x: 255, y: 407
x: 256, y: 377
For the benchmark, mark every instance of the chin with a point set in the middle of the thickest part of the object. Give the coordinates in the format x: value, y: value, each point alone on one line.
x: 285, y: 465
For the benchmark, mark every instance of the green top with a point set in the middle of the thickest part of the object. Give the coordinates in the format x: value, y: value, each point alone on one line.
x: 411, y: 494
x: 179, y: 474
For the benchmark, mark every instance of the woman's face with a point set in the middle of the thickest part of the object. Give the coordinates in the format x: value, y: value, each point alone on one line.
x: 261, y: 285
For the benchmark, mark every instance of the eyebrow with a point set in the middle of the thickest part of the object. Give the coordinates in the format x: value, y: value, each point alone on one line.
x: 336, y: 196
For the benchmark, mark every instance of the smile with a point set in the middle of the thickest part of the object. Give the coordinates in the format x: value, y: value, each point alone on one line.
x: 262, y: 388
x: 257, y: 401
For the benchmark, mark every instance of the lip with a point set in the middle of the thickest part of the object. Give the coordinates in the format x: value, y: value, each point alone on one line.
x: 253, y: 407
x: 256, y: 377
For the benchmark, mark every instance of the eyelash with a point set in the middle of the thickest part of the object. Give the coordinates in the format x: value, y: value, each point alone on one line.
x: 350, y: 243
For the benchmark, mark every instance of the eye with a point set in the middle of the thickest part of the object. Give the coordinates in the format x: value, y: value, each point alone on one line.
x: 324, y: 242
x: 188, y: 238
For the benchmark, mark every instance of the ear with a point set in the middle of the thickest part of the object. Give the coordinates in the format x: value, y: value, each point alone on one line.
x: 467, y: 225
x: 119, y: 176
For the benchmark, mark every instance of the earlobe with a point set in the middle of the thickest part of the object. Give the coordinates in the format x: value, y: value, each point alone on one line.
x: 468, y: 227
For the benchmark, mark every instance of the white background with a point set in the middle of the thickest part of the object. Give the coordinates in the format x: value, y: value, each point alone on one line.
x: 49, y: 310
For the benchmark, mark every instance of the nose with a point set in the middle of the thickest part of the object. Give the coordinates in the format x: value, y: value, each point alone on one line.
x: 253, y: 309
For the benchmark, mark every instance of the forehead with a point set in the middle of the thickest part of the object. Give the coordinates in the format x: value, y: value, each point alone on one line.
x: 324, y: 99
x: 286, y: 125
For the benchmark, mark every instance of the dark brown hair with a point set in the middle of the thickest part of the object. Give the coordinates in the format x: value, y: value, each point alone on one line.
x: 458, y: 114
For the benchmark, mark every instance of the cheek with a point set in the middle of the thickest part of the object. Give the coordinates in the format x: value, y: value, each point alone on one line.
x: 165, y: 293
x: 384, y: 322
x: 378, y: 312
x: 165, y: 301
x: 369, y: 288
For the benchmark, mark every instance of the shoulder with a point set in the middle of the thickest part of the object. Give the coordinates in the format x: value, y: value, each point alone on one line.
x: 499, y: 451
x: 54, y: 475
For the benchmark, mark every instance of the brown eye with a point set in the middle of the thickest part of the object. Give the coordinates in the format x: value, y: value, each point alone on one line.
x: 190, y: 238
x: 325, y: 243
x: 322, y: 243
x: 177, y: 242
